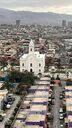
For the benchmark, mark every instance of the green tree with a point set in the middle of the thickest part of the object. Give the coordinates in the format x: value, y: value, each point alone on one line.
x: 25, y: 80
x: 21, y: 77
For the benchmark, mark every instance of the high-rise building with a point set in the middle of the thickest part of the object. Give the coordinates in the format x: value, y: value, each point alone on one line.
x: 70, y: 24
x: 17, y: 23
x: 63, y: 23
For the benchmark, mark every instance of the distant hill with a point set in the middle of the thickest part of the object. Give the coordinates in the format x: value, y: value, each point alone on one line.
x: 26, y: 17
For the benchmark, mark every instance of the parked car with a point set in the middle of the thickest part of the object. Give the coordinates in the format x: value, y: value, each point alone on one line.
x: 8, y: 124
x: 8, y: 106
x: 10, y: 102
x: 1, y: 118
x: 61, y: 126
x: 61, y: 96
x: 61, y: 117
x: 61, y: 110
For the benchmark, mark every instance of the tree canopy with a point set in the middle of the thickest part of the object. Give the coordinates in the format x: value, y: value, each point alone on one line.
x: 21, y: 77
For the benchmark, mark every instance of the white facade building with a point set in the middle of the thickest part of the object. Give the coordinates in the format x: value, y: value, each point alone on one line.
x: 33, y: 61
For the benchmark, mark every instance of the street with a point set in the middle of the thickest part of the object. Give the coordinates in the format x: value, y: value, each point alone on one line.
x: 56, y: 107
x: 57, y: 91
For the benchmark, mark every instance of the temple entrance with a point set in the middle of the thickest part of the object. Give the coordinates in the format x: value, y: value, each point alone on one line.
x: 31, y: 70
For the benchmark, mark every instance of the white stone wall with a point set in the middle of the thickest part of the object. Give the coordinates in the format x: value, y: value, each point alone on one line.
x: 35, y: 64
x: 33, y: 58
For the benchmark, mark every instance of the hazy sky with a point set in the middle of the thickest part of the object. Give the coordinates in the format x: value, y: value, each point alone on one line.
x: 59, y: 6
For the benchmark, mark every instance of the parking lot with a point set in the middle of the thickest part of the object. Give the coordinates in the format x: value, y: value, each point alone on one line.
x: 9, y: 112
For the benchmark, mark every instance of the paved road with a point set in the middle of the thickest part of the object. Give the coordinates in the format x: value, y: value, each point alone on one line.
x: 56, y: 123
x: 57, y: 90
x: 9, y: 112
x: 63, y: 83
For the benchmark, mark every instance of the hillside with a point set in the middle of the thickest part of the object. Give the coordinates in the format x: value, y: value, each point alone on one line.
x: 9, y: 17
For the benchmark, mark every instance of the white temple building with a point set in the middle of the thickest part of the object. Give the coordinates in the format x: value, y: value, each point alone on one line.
x: 33, y: 61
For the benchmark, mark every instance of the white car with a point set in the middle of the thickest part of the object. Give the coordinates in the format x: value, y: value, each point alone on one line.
x: 8, y: 106
x: 61, y: 114
x: 61, y: 110
x: 61, y: 125
x: 61, y: 117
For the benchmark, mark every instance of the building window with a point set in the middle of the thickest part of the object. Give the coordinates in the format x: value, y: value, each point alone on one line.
x: 22, y: 64
x: 39, y: 71
x: 31, y: 49
x: 30, y: 64
x: 31, y: 70
x: 39, y: 65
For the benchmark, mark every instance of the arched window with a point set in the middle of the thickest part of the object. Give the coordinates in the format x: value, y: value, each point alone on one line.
x: 39, y: 65
x: 22, y: 64
x: 30, y: 64
x: 31, y: 49
x: 39, y: 70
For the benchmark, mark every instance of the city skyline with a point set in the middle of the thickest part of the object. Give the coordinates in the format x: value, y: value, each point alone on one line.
x: 56, y: 6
